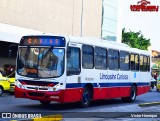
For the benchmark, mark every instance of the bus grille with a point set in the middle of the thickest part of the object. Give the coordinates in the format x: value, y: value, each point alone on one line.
x: 36, y: 94
x: 38, y: 83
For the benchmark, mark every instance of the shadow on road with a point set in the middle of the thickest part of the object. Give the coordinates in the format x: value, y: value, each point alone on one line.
x: 73, y: 106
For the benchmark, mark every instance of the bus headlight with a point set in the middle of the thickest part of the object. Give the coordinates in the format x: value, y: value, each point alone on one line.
x: 19, y: 85
x: 56, y: 87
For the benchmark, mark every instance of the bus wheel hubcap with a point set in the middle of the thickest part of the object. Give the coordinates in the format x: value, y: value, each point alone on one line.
x: 85, y: 97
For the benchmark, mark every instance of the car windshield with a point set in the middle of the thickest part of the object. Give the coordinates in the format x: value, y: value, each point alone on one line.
x: 40, y: 62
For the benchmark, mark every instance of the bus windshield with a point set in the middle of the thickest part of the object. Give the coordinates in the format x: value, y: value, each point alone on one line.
x: 40, y: 62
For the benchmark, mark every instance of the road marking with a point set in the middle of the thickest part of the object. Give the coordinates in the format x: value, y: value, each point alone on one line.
x: 56, y: 117
x: 149, y: 104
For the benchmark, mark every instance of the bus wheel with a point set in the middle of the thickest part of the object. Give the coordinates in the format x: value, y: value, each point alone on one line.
x: 132, y: 96
x: 1, y: 91
x: 86, y: 97
x: 45, y: 102
x: 157, y: 90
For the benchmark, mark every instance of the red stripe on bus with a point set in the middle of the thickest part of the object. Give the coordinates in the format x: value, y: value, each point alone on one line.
x: 74, y: 94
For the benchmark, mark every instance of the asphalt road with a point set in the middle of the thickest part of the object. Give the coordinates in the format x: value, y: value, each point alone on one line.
x: 8, y: 103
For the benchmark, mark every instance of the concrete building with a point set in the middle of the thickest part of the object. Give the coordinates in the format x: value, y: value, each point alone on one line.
x: 62, y: 16
x: 155, y: 54
x: 94, y: 18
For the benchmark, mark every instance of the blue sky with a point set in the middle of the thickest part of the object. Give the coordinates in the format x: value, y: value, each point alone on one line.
x: 146, y: 22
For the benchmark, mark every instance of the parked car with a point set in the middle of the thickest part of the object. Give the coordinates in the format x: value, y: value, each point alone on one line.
x: 12, y: 85
x: 4, y: 84
x: 10, y: 74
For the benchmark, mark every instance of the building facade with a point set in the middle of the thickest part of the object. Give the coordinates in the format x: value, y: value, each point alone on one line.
x: 155, y: 54
x: 54, y: 16
x: 92, y: 18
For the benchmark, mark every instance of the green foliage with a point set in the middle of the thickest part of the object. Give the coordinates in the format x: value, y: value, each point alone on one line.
x: 158, y: 63
x: 135, y: 40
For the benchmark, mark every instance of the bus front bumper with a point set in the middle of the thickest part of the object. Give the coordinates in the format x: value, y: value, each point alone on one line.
x: 40, y: 95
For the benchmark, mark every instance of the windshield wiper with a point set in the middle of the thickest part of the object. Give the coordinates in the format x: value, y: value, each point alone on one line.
x: 48, y: 51
x: 44, y: 54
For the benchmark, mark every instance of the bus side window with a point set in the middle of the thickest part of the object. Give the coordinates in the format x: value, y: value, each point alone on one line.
x: 113, y: 59
x: 73, y: 61
x: 148, y: 63
x: 137, y: 62
x: 145, y: 63
x: 124, y: 61
x: 132, y: 62
x: 141, y: 63
x: 87, y: 57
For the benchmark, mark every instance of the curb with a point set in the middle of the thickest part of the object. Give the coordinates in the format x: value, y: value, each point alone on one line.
x: 149, y: 104
x: 57, y: 117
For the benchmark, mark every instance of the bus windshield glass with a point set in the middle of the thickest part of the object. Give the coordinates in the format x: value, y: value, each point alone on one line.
x: 40, y: 62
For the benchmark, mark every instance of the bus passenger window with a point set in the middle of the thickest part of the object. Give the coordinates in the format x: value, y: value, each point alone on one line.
x: 145, y: 63
x: 100, y: 58
x: 87, y: 57
x: 113, y: 59
x: 137, y: 62
x: 73, y: 61
x: 148, y: 64
x: 141, y: 63
x: 124, y: 61
x: 132, y: 62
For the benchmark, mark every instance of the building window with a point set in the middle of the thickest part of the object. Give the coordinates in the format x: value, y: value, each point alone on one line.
x: 109, y: 19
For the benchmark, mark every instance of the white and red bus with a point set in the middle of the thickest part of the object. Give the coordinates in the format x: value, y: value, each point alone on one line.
x: 71, y: 69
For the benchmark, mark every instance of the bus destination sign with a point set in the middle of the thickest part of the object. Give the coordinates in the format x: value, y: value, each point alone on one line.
x: 42, y: 41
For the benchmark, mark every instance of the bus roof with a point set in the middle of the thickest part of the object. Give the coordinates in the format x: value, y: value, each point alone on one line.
x: 106, y: 44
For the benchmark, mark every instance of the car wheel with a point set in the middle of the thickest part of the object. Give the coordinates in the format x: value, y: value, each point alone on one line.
x: 1, y: 91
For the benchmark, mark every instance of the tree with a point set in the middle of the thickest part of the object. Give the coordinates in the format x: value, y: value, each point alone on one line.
x: 135, y: 40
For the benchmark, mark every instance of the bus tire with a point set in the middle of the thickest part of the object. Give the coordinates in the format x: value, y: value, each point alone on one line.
x: 1, y: 90
x: 132, y: 96
x: 45, y: 102
x: 86, y: 97
x: 157, y: 90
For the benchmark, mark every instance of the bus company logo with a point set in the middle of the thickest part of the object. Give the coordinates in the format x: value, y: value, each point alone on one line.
x: 144, y: 6
x: 36, y: 88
